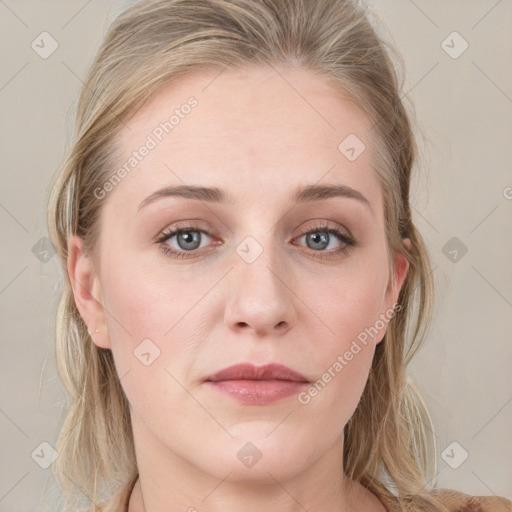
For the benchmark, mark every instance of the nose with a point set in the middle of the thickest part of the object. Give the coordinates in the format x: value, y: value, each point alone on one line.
x: 260, y: 297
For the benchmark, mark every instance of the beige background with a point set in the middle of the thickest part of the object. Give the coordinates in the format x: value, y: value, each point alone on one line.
x: 464, y: 110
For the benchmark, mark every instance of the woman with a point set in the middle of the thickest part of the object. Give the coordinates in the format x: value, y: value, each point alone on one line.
x: 244, y: 274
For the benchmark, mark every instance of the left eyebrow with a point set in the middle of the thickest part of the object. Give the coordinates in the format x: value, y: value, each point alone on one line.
x: 319, y: 192
x: 304, y: 193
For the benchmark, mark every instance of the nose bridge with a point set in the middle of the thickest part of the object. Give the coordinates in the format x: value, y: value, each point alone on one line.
x: 261, y: 274
x: 259, y: 291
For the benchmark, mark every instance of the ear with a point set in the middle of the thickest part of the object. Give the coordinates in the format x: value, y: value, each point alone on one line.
x: 87, y: 292
x: 400, y: 267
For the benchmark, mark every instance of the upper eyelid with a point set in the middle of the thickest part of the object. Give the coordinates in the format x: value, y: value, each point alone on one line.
x: 169, y: 233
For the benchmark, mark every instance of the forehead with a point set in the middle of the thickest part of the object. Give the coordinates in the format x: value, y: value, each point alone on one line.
x: 255, y: 132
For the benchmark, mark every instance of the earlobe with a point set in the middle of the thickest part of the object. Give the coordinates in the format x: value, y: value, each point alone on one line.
x: 86, y: 291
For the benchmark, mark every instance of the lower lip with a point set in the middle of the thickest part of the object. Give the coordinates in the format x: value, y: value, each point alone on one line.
x: 258, y: 392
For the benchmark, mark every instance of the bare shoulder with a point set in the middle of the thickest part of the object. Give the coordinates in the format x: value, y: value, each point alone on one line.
x: 460, y: 502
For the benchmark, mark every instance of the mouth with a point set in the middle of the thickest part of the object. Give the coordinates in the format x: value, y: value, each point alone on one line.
x: 254, y: 385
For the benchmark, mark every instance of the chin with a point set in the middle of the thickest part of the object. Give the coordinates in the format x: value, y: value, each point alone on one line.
x: 256, y: 459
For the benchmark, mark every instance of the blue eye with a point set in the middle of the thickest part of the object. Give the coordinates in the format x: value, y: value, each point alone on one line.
x: 322, y: 237
x: 189, y: 238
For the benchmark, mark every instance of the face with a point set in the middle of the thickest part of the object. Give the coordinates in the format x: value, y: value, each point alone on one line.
x: 267, y: 273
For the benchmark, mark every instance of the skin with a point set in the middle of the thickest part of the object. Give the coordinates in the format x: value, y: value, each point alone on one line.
x: 257, y: 134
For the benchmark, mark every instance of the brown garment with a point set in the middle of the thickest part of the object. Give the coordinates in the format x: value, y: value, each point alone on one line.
x: 455, y: 501
x: 460, y: 502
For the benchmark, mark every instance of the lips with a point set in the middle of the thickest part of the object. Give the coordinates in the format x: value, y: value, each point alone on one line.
x: 253, y: 385
x: 248, y: 371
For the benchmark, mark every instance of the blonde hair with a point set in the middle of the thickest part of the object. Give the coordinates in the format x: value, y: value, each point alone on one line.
x: 389, y: 440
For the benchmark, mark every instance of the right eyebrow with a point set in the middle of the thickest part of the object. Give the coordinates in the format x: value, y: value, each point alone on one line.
x: 209, y: 194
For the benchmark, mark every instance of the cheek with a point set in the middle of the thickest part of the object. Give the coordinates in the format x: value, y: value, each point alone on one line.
x: 139, y: 311
x: 350, y: 300
x: 143, y: 299
x: 148, y: 338
x: 349, y: 305
x: 155, y: 317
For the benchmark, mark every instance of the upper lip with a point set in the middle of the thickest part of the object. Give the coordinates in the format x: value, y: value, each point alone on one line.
x: 249, y: 371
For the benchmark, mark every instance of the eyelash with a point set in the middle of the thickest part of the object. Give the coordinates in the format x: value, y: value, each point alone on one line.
x: 348, y: 242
